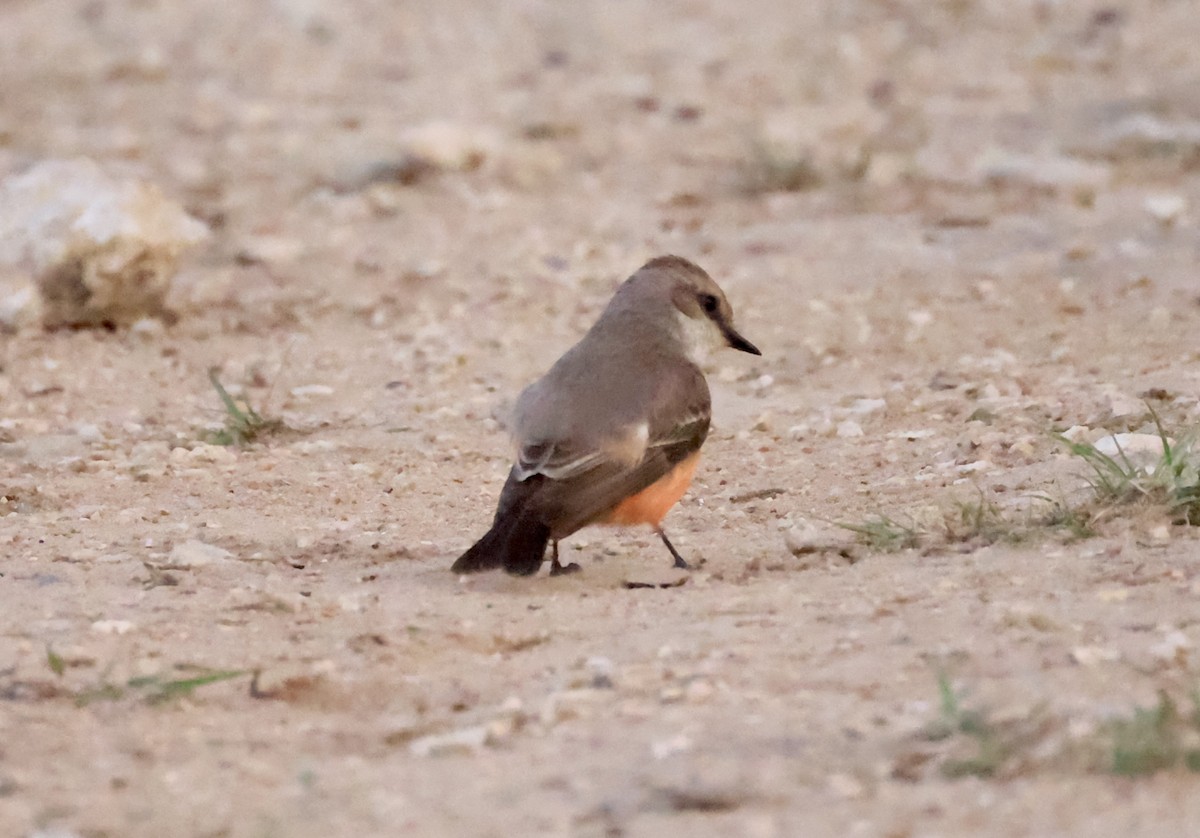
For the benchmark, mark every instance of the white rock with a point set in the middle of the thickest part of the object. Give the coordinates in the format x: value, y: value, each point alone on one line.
x: 1119, y: 404
x: 1166, y: 209
x: 1149, y: 135
x: 669, y: 747
x: 502, y: 727
x: 114, y: 558
x: 15, y: 306
x: 1143, y: 451
x: 147, y: 327
x: 193, y: 553
x: 272, y: 249
x: 601, y: 668
x: 89, y: 432
x: 1055, y: 172
x: 1172, y: 649
x: 1094, y: 655
x: 465, y: 740
x: 846, y: 786
x: 449, y: 146
x: 352, y: 603
x: 865, y: 407
x: 112, y: 626
x: 203, y: 453
x: 303, y: 15
x: 816, y: 537
x: 763, y: 383
x: 798, y: 432
x: 923, y: 433
x: 699, y: 691
x: 100, y: 249
x: 513, y: 706
x: 1133, y: 249
x: 920, y: 318
x: 849, y: 429
x: 1076, y: 433
x: 309, y: 390
x: 570, y: 704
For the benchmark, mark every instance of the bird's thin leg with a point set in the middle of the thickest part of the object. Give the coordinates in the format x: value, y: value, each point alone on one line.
x: 679, y: 562
x: 557, y: 569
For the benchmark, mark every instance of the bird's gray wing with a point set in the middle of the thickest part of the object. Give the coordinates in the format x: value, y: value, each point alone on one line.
x: 574, y: 482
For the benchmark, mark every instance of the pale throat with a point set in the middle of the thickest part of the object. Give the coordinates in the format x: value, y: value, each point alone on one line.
x: 698, y: 337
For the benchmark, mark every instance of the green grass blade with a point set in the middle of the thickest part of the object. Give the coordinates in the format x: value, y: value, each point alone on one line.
x: 57, y: 665
x: 168, y: 690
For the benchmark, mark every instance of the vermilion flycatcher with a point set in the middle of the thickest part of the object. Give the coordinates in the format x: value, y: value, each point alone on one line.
x: 612, y: 433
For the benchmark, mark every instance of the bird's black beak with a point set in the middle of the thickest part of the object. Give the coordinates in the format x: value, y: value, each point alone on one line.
x: 738, y: 342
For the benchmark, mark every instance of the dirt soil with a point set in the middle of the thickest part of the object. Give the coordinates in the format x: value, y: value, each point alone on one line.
x: 414, y: 209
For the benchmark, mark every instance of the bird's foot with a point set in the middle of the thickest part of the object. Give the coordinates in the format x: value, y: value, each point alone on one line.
x: 557, y: 569
x: 679, y: 562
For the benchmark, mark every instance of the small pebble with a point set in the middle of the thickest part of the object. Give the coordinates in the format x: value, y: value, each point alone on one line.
x: 1166, y: 209
x: 865, y: 407
x: 602, y: 670
x: 193, y: 553
x: 849, y: 429
x: 1094, y: 655
x: 465, y: 740
x: 1172, y: 649
x: 568, y: 704
x: 670, y: 747
x: 763, y: 383
x: 846, y: 786
x: 1143, y: 451
x: 112, y: 627
x: 307, y: 390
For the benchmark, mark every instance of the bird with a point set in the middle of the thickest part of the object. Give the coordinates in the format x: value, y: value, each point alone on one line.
x: 611, y: 434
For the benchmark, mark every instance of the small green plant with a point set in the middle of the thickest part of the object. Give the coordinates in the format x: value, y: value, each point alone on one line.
x: 53, y: 660
x: 980, y: 522
x: 974, y: 523
x: 770, y: 169
x: 1077, y: 522
x: 952, y: 717
x: 153, y: 689
x: 885, y: 534
x: 991, y: 749
x: 243, y: 424
x: 1151, y: 739
x: 1154, y: 739
x: 156, y: 690
x: 1173, y: 480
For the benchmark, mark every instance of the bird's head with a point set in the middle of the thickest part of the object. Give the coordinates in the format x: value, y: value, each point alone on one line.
x: 705, y: 317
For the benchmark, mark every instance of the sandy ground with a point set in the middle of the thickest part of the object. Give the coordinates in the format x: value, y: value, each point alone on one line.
x: 1000, y: 243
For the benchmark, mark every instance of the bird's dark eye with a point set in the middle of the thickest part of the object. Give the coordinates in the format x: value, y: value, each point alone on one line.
x: 708, y: 302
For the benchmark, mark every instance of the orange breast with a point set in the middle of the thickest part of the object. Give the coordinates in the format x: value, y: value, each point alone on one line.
x: 651, y: 505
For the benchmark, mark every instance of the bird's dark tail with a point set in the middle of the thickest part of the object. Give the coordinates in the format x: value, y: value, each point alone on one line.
x: 515, y: 542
